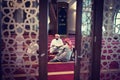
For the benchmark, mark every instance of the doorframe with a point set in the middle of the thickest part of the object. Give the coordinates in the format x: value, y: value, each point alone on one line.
x: 97, y: 38
x: 97, y: 8
x: 43, y: 39
x: 0, y: 41
x: 78, y: 40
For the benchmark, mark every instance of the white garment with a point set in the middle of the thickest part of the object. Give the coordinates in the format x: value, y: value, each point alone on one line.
x: 64, y: 55
x: 33, y: 47
x: 54, y: 44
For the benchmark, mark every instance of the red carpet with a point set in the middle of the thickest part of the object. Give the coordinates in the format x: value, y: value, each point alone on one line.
x: 60, y: 70
x: 61, y: 77
x: 60, y: 66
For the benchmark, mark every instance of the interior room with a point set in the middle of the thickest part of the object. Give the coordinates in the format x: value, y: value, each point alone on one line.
x: 27, y: 28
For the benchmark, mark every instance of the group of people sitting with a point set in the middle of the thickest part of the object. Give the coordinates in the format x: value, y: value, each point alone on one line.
x: 61, y: 48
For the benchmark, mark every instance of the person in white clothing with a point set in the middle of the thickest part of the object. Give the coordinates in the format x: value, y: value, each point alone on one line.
x: 56, y: 44
x: 33, y: 48
x: 66, y: 52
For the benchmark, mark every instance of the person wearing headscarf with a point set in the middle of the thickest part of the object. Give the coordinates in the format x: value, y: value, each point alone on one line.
x: 65, y: 53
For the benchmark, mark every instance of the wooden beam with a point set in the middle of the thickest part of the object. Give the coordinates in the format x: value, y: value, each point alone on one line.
x: 0, y: 41
x: 43, y: 39
x: 97, y: 37
x: 52, y: 13
x: 53, y: 16
x: 78, y: 39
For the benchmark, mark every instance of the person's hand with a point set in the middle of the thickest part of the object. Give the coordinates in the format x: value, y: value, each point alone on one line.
x: 59, y: 46
x: 53, y: 45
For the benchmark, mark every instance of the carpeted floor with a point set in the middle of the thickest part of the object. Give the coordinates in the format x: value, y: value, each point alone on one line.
x: 60, y: 70
x: 61, y: 77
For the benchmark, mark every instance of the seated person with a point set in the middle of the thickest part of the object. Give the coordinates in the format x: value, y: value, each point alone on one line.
x: 56, y: 44
x: 32, y: 48
x: 65, y: 54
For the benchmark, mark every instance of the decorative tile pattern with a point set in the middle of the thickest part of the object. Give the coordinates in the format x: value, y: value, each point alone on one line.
x: 86, y: 41
x: 19, y: 29
x: 110, y: 55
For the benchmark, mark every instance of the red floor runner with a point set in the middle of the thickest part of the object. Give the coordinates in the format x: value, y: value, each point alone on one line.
x: 60, y: 66
x: 61, y: 77
x: 61, y: 70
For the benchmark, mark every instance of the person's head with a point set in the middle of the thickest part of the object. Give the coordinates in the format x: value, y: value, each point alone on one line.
x: 57, y: 36
x: 68, y: 41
